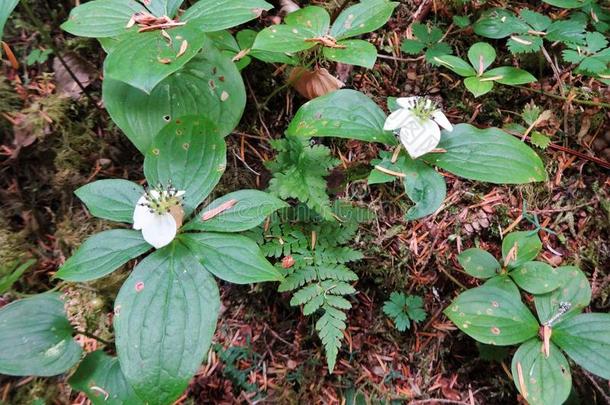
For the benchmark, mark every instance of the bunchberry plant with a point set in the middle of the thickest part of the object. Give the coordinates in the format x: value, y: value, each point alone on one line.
x: 314, y: 257
x: 165, y: 313
x: 489, y: 155
x: 527, y: 31
x: 309, y: 29
x: 403, y: 309
x: 161, y: 63
x: 477, y: 79
x: 428, y: 39
x: 494, y: 314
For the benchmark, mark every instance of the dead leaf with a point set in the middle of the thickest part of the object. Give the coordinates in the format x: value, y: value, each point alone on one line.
x: 82, y: 70
x: 183, y: 46
x: 312, y: 84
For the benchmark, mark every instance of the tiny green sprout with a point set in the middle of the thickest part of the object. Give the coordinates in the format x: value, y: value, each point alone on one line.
x: 403, y: 309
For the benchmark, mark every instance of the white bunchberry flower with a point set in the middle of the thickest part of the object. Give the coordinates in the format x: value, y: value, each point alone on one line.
x: 158, y: 213
x: 417, y: 123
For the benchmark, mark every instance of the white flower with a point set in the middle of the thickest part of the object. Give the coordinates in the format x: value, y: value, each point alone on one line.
x: 158, y: 213
x: 418, y: 122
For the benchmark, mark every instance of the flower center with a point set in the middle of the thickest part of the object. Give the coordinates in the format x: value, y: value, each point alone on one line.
x: 161, y: 200
x: 424, y: 108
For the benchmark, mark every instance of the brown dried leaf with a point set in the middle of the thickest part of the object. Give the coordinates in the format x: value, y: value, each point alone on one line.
x: 82, y: 70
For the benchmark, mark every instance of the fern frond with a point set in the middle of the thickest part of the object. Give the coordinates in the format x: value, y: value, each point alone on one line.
x: 330, y: 330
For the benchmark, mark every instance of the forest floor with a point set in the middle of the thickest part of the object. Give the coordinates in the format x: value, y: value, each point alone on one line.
x: 264, y: 349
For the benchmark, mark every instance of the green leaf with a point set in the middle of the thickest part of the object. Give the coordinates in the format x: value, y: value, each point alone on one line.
x: 524, y: 43
x: 575, y: 290
x: 101, y: 18
x: 6, y: 8
x: 163, y: 7
x: 509, y: 75
x: 102, y: 254
x: 477, y: 86
x: 233, y: 258
x: 246, y: 38
x: 541, y: 380
x: 214, y: 15
x: 36, y: 337
x: 313, y: 18
x: 423, y: 185
x: 250, y: 208
x: 412, y: 46
x: 481, y: 55
x: 437, y: 50
x: 540, y: 140
x: 330, y: 328
x: 111, y: 199
x: 165, y: 316
x: 537, y: 21
x: 361, y: 18
x: 356, y: 52
x: 284, y: 38
x: 586, y: 339
x: 456, y: 65
x: 462, y: 21
x: 479, y: 263
x: 342, y: 114
x: 536, y: 277
x: 492, y: 315
x: 190, y: 154
x: 15, y: 273
x: 208, y: 85
x: 567, y: 3
x: 100, y: 377
x: 144, y: 59
x: 487, y: 155
x: 571, y: 31
x: 525, y: 247
x: 499, y: 23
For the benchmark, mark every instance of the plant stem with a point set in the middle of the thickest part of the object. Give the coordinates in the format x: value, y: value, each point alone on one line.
x: 555, y: 96
x: 92, y: 336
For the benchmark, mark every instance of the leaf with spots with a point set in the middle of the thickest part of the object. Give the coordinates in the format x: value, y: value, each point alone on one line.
x: 190, y: 154
x: 209, y: 85
x: 216, y: 15
x: 536, y: 277
x: 489, y: 155
x: 355, y: 52
x: 479, y: 263
x: 152, y: 57
x: 100, y: 377
x: 541, y: 380
x: 586, y: 339
x: 520, y: 247
x: 101, y: 18
x: 342, y: 114
x: 284, y: 38
x: 574, y: 290
x: 165, y: 316
x: 36, y: 337
x: 361, y: 18
x: 492, y: 315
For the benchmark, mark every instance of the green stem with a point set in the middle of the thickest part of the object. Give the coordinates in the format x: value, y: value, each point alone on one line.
x: 555, y: 96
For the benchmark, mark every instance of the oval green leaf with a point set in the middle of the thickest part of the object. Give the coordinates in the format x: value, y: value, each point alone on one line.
x: 313, y: 18
x: 236, y: 212
x: 455, y: 64
x: 521, y: 246
x: 356, y: 52
x: 479, y: 263
x: 36, y: 337
x: 492, y: 315
x: 537, y: 277
x: 112, y: 199
x: 144, y: 59
x: 361, y: 18
x: 284, y: 38
x: 586, y: 339
x: 209, y: 85
x: 190, y: 154
x: 102, y: 254
x: 214, y: 15
x: 541, y: 380
x: 100, y: 377
x: 481, y: 55
x: 233, y: 258
x: 423, y: 185
x: 487, y: 155
x: 477, y: 86
x: 101, y: 18
x: 6, y: 8
x: 165, y: 316
x: 342, y: 114
x: 574, y: 290
x: 509, y: 75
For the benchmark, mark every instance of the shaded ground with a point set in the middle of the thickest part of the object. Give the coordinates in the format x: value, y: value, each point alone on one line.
x: 266, y: 350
